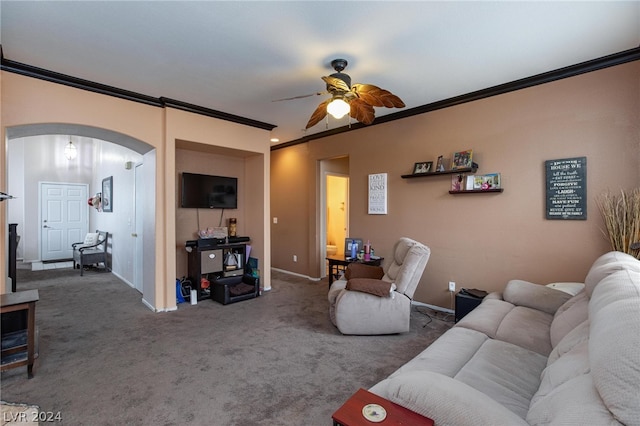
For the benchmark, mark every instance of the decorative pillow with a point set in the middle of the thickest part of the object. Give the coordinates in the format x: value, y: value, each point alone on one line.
x: 359, y: 270
x: 90, y: 239
x: 371, y: 286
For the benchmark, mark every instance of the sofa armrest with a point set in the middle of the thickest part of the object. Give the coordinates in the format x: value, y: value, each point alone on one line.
x: 535, y: 296
x: 445, y: 400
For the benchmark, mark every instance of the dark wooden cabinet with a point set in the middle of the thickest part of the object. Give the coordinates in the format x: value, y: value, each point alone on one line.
x: 209, y: 260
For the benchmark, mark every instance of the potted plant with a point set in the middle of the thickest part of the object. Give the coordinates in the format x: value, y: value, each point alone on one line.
x: 621, y: 214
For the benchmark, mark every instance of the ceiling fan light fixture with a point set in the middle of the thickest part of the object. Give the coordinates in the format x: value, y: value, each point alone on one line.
x: 338, y: 107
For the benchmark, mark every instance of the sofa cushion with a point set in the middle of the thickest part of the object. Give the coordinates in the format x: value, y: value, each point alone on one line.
x: 607, y: 264
x: 439, y: 356
x: 568, y: 316
x: 507, y: 373
x: 570, y: 365
x: 575, y: 402
x: 447, y: 401
x: 535, y: 296
x: 614, y: 340
x: 522, y: 326
x: 578, y: 335
x: 487, y: 316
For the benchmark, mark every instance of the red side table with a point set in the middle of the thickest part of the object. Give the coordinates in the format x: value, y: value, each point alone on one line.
x: 350, y: 414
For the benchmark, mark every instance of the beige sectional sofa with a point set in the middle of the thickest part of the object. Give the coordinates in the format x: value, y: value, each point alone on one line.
x: 535, y: 355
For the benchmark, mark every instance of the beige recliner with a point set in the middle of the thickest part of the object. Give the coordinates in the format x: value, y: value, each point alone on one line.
x: 362, y: 312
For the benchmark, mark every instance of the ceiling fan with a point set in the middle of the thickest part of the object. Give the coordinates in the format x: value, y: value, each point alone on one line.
x: 357, y: 100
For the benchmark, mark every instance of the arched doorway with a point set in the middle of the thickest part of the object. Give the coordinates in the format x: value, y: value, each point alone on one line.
x: 145, y: 283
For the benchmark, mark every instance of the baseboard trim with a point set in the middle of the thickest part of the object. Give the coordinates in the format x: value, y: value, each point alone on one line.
x: 284, y: 271
x: 435, y: 308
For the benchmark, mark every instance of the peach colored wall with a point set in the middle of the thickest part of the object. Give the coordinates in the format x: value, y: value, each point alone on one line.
x: 477, y: 240
x: 27, y: 101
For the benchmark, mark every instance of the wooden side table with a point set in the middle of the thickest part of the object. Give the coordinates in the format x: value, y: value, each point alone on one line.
x: 350, y: 414
x: 18, y: 347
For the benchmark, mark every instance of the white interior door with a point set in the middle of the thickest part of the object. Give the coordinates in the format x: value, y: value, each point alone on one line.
x: 64, y: 218
x: 137, y: 234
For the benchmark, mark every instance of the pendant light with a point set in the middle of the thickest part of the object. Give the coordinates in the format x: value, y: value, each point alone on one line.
x: 70, y: 151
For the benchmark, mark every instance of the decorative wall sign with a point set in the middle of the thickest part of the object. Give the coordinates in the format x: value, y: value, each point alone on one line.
x: 566, y: 188
x: 378, y: 193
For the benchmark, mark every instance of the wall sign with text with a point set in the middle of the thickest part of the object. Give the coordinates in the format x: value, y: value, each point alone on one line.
x: 378, y: 193
x: 566, y: 188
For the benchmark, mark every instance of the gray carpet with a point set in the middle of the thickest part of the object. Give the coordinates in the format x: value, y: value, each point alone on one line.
x: 106, y: 359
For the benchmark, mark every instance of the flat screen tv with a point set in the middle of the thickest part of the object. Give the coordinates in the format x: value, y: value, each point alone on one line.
x: 209, y: 192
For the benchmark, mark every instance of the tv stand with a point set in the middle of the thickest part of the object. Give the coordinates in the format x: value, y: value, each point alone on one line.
x: 209, y: 258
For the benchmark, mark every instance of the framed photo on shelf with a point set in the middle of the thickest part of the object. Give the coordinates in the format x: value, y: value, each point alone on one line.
x: 457, y: 182
x: 107, y: 194
x: 440, y: 164
x: 462, y: 160
x: 492, y: 181
x: 422, y: 167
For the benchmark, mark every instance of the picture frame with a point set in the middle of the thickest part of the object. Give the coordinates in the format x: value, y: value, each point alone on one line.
x: 462, y: 160
x: 422, y: 167
x: 107, y: 194
x: 440, y: 164
x: 377, y: 193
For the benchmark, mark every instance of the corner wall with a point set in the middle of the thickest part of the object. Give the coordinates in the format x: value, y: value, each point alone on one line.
x: 479, y: 240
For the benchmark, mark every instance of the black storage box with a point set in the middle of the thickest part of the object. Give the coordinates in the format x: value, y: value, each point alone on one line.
x: 233, y: 289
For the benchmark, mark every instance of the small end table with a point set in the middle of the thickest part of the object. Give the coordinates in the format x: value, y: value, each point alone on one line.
x: 338, y: 264
x: 350, y: 414
x: 465, y: 304
x: 18, y: 348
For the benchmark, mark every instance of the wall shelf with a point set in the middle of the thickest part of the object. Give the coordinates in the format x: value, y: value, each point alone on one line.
x: 477, y: 191
x: 446, y: 172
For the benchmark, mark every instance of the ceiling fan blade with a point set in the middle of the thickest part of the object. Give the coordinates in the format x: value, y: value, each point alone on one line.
x: 375, y: 96
x: 362, y: 111
x: 337, y: 83
x: 300, y: 97
x: 318, y: 114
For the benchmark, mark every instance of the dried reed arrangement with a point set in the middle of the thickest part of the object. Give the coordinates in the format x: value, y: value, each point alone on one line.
x: 621, y: 214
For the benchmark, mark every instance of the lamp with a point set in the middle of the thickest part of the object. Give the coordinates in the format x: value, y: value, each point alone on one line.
x: 70, y: 151
x: 338, y: 108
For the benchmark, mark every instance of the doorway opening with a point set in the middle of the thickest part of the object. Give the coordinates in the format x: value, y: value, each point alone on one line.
x: 334, y: 220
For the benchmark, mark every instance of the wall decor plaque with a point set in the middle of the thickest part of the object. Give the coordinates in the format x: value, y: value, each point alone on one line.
x: 566, y: 193
x: 378, y: 193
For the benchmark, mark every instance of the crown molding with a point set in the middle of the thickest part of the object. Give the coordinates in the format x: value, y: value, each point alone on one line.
x: 162, y: 102
x: 547, y: 77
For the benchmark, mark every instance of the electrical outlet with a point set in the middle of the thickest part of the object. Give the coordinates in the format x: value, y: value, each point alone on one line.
x: 452, y: 286
x: 295, y: 258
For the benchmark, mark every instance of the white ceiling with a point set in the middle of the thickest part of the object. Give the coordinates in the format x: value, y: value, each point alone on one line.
x: 238, y: 56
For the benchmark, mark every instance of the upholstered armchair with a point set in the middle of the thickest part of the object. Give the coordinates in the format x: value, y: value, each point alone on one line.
x: 372, y: 300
